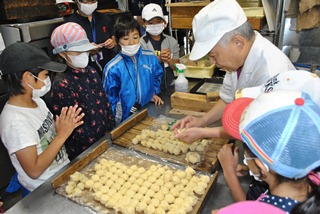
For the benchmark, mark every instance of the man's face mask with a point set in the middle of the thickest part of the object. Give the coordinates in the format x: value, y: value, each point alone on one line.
x: 80, y: 61
x: 88, y: 9
x: 36, y: 93
x: 130, y: 50
x: 156, y: 29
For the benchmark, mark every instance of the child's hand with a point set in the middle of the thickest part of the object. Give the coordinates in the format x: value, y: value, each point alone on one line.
x: 69, y: 119
x: 157, y: 100
x: 228, y: 161
x: 165, y: 55
x: 110, y: 43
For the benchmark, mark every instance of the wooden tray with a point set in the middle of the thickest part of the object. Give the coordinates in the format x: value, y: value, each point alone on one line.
x: 124, y: 134
x: 125, y: 157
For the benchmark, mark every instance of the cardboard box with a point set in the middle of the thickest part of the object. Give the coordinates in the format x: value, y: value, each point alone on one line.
x: 305, y: 5
x: 309, y: 19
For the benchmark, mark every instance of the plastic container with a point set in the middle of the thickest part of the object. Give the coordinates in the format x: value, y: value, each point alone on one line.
x: 181, y: 83
x: 201, y: 68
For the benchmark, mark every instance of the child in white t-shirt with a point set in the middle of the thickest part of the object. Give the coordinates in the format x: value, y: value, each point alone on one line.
x: 33, y: 139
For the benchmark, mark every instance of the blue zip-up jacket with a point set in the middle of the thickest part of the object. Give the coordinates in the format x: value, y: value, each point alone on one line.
x: 126, y: 80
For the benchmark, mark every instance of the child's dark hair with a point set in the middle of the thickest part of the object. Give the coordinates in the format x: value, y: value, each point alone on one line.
x: 124, y: 25
x: 312, y: 204
x: 13, y: 81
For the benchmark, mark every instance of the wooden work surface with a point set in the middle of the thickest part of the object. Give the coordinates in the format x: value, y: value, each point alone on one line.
x: 128, y: 158
x: 123, y: 137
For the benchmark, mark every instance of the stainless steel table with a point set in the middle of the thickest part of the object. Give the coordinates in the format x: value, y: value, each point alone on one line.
x: 45, y: 200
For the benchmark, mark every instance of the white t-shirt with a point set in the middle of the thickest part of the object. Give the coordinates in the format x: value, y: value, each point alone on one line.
x: 263, y: 62
x: 23, y: 127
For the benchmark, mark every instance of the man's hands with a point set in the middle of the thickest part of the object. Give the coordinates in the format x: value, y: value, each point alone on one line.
x: 69, y: 119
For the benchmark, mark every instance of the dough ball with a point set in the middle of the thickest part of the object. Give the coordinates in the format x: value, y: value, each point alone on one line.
x: 135, y: 141
x: 118, y: 165
x: 138, y: 137
x: 77, y: 192
x: 96, y: 186
x: 127, y: 185
x: 123, y: 190
x: 114, y: 177
x: 135, y: 187
x: 130, y: 193
x: 159, y: 196
x: 124, y: 176
x: 120, y: 181
x: 205, y: 142
x: 164, y: 205
x: 95, y: 178
x: 103, y: 180
x: 199, y: 148
x: 134, y: 202
x: 152, y: 179
x: 184, y: 181
x: 156, y: 174
x: 179, y: 187
x: 112, y: 192
x: 89, y: 184
x: 134, y: 168
x: 146, y: 199
x: 167, y: 177
x: 199, y: 190
x: 150, y: 209
x: 191, y: 200
x: 135, y: 174
x: 138, y: 196
x: 176, y: 151
x: 175, y: 179
x: 141, y: 170
x: 144, y: 176
x: 72, y: 183
x: 155, y: 187
x: 155, y: 202
x: 109, y: 183
x: 118, y: 172
x: 108, y: 174
x: 150, y: 193
x: 141, y: 206
x: 165, y: 190
x: 183, y: 195
x: 69, y: 189
x: 143, y: 190
x: 117, y: 196
x: 192, y: 157
x: 195, y: 179
x: 175, y: 192
x: 169, y: 185
x: 97, y: 167
x: 153, y: 168
x: 180, y: 174
x: 178, y: 201
x: 75, y: 176
x: 113, y: 169
x: 160, y: 182
x: 81, y: 186
x: 147, y: 184
x: 169, y: 198
x: 129, y: 171
x: 139, y: 182
x: 205, y: 179
x: 97, y: 195
x: 143, y: 136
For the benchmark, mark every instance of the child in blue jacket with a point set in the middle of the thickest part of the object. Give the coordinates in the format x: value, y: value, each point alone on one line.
x: 132, y: 78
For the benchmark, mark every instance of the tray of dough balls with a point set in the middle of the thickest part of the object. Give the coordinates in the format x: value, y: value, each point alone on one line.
x: 127, y: 182
x: 152, y: 136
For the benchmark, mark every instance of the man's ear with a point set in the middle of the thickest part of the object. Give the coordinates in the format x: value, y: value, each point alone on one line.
x: 239, y: 41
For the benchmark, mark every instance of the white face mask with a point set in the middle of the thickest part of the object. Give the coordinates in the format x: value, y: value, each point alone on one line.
x: 80, y: 61
x: 255, y: 176
x: 88, y: 9
x: 36, y: 93
x: 156, y: 29
x: 130, y: 50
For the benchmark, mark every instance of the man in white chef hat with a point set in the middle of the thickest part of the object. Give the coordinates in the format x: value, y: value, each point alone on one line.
x: 221, y: 31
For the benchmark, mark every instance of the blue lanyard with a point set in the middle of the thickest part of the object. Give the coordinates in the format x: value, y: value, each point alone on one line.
x: 93, y: 29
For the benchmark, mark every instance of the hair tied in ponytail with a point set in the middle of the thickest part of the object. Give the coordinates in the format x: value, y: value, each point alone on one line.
x: 314, y: 177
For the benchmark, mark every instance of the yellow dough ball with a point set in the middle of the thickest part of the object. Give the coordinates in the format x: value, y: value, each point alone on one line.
x: 150, y: 193
x: 169, y: 198
x: 104, y: 189
x: 135, y: 187
x: 155, y: 187
x: 95, y: 178
x: 69, y: 189
x: 135, y: 141
x: 141, y: 207
x: 155, y: 202
x: 80, y: 186
x: 89, y: 184
x: 150, y: 209
x: 165, y: 190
